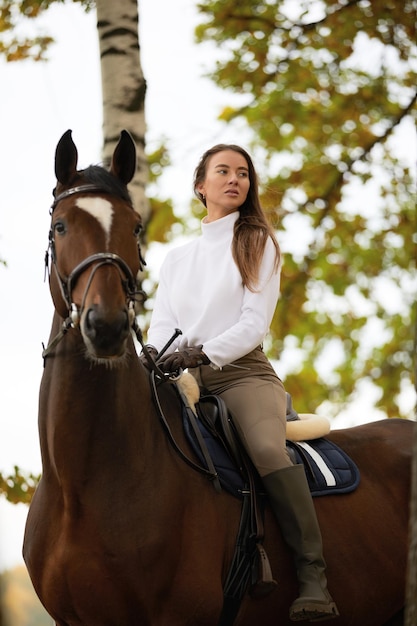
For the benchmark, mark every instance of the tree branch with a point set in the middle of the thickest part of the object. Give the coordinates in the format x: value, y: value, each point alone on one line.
x: 339, y: 177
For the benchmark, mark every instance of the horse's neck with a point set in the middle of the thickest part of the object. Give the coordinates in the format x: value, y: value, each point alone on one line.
x: 91, y: 414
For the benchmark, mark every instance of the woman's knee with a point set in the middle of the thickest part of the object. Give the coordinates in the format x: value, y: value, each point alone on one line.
x: 271, y: 458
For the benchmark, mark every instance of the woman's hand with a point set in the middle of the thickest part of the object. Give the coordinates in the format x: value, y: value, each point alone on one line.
x: 192, y: 356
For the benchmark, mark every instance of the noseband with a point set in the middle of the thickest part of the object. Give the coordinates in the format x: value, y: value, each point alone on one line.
x: 98, y: 260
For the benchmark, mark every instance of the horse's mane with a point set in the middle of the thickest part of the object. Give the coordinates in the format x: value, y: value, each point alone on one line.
x: 104, y: 179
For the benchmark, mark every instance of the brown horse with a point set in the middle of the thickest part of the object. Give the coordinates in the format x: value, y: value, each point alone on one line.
x: 121, y: 531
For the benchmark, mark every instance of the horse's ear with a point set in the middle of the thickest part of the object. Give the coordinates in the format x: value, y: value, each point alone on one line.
x: 66, y: 158
x: 123, y: 163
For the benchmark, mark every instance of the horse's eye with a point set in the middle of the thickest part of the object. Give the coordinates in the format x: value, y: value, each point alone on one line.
x: 138, y: 229
x: 60, y: 228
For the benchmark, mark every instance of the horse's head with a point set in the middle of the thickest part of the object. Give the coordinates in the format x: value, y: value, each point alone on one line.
x: 94, y: 245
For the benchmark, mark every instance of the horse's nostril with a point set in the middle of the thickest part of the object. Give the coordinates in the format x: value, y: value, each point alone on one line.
x: 90, y: 319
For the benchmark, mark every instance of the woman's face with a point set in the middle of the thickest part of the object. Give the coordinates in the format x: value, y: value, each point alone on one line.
x: 226, y: 184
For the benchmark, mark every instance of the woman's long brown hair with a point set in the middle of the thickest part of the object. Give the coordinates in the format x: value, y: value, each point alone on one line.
x: 252, y: 229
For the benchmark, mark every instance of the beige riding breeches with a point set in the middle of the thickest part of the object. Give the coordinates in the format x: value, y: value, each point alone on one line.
x: 256, y: 399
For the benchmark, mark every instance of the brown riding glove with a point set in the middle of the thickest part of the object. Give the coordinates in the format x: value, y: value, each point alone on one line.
x: 189, y: 357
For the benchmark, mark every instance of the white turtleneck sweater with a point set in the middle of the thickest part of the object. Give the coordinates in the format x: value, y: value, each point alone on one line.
x: 200, y: 292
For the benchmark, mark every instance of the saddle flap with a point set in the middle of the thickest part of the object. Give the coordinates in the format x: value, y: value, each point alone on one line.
x: 219, y: 437
x: 213, y: 412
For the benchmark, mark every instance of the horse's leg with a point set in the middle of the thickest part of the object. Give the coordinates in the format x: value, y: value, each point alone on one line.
x: 396, y: 620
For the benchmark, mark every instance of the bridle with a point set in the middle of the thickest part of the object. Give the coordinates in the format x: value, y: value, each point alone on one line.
x: 98, y: 259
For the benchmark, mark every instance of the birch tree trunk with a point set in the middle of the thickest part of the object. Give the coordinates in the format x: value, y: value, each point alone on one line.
x: 123, y: 87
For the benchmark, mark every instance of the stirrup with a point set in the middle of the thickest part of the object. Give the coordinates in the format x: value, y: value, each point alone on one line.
x: 264, y: 584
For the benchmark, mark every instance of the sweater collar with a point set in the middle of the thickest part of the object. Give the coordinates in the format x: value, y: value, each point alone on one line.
x: 221, y: 227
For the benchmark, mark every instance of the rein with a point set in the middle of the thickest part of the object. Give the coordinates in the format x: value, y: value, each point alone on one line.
x: 210, y: 473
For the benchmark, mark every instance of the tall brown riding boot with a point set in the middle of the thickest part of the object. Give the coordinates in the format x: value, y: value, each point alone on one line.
x: 292, y: 504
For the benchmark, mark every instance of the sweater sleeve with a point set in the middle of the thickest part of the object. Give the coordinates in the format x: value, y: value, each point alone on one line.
x: 255, y: 318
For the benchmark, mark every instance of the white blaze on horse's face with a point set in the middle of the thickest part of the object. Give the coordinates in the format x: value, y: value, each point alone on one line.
x: 99, y: 208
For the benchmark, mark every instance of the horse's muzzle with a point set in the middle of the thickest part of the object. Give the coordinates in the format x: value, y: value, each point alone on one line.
x: 105, y: 334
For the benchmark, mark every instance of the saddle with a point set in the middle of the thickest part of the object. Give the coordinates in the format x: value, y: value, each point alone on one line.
x: 329, y: 469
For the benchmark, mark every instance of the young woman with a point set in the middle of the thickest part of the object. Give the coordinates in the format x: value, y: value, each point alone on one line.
x: 221, y: 290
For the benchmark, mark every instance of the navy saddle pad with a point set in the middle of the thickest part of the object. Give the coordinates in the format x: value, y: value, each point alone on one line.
x: 329, y: 469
